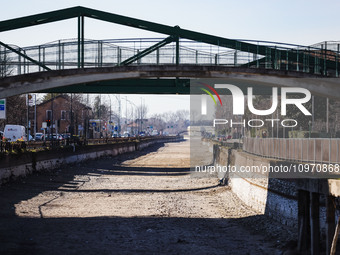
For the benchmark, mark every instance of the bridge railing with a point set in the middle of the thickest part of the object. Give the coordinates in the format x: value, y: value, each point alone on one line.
x: 64, y: 54
x: 313, y: 150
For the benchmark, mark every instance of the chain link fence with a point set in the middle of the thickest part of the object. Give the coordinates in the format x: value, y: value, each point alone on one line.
x: 321, y: 58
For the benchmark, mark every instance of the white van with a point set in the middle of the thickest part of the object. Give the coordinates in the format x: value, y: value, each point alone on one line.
x: 15, y: 132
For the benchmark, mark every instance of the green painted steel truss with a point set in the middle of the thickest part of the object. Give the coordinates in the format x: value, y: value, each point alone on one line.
x: 304, y: 59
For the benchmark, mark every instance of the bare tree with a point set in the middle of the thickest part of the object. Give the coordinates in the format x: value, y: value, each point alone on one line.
x: 142, y: 112
x: 176, y: 121
x: 6, y: 68
x: 15, y: 105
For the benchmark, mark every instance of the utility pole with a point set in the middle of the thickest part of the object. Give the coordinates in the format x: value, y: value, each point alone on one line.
x: 27, y: 127
x: 99, y: 113
x: 35, y: 115
x: 126, y: 118
x: 327, y: 115
x: 141, y: 114
x: 110, y: 110
x: 312, y: 113
x: 110, y: 120
x: 52, y: 119
x: 132, y: 115
x: 86, y: 126
x: 119, y: 116
x: 72, y: 133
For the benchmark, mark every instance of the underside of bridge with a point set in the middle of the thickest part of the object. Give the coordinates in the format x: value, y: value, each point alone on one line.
x: 162, y: 79
x: 159, y: 66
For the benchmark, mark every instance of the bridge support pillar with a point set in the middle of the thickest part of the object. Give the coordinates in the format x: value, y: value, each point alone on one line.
x: 81, y: 41
x: 330, y: 222
x: 303, y: 220
x: 315, y: 223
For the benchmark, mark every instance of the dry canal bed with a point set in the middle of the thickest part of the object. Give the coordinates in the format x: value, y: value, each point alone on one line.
x: 144, y: 203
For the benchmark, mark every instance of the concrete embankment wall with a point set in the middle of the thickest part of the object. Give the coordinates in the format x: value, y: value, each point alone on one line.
x: 276, y: 197
x: 13, y: 166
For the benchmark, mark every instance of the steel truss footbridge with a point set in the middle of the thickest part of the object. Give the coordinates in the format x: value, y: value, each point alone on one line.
x: 157, y: 65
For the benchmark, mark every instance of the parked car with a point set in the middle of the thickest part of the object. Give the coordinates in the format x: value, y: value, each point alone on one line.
x: 39, y: 136
x: 50, y: 137
x: 126, y: 134
x: 115, y: 134
x: 154, y: 132
x: 66, y: 136
x: 14, y: 133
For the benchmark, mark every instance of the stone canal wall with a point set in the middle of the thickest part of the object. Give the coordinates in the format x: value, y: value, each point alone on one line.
x: 276, y: 197
x: 13, y: 166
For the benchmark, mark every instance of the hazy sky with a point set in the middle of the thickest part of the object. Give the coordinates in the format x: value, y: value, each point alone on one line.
x: 291, y: 21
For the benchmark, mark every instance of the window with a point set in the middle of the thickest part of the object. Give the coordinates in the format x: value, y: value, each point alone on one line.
x: 48, y: 114
x: 63, y: 115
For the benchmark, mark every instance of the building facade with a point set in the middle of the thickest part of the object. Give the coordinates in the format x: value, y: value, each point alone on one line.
x: 63, y: 114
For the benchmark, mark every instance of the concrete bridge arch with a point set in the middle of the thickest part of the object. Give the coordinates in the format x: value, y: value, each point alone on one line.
x: 160, y: 79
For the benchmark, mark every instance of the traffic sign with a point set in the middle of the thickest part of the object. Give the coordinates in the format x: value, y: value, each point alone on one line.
x: 2, y: 108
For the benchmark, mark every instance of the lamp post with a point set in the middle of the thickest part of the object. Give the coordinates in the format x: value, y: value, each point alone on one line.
x: 131, y: 104
x: 141, y: 114
x: 119, y: 107
x: 110, y: 120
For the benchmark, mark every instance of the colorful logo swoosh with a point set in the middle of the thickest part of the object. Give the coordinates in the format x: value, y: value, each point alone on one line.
x: 209, y: 93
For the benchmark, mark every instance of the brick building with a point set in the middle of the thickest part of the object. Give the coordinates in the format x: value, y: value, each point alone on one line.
x: 57, y: 113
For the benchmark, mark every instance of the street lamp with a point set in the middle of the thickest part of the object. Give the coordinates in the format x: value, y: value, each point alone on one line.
x: 118, y: 99
x: 110, y: 121
x: 131, y: 103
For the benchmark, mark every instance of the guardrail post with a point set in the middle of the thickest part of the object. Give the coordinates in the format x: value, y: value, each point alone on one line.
x: 329, y: 152
x: 325, y: 60
x: 118, y: 55
x: 59, y: 55
x: 336, y: 61
x: 19, y: 63
x: 337, y: 150
x: 257, y: 59
x: 308, y: 150
x: 177, y: 50
x: 297, y: 60
x: 314, y: 151
x: 81, y: 50
x: 39, y: 54
x: 321, y: 151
